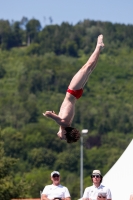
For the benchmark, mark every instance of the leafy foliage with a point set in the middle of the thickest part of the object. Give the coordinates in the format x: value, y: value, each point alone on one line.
x: 34, y: 79
x: 9, y: 187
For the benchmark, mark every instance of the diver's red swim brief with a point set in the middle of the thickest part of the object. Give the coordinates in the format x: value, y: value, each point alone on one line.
x: 76, y: 93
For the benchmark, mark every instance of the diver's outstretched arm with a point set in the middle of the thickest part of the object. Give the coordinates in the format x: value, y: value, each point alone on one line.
x: 56, y: 118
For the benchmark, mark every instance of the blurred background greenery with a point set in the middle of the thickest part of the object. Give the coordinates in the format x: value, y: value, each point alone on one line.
x: 36, y: 66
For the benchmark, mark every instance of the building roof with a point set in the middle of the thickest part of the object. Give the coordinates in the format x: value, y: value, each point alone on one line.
x: 119, y: 179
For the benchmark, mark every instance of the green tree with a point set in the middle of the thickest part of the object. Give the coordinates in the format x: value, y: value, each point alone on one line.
x: 5, y: 34
x: 32, y: 28
x: 2, y: 71
x: 9, y: 187
x: 17, y: 34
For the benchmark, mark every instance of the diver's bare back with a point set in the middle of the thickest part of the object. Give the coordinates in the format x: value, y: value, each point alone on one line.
x: 66, y: 113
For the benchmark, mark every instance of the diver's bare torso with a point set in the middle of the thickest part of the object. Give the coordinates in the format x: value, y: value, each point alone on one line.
x: 67, y: 109
x: 66, y: 113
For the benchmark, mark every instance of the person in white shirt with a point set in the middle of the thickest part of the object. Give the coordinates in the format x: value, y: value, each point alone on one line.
x: 97, y: 191
x: 55, y: 191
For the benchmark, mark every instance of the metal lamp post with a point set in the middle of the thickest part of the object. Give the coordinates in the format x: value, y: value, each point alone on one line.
x: 83, y: 132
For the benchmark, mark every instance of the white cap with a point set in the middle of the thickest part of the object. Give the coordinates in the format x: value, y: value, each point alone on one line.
x: 55, y: 172
x: 96, y: 172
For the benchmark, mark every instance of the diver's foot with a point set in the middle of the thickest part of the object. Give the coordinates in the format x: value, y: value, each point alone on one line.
x: 100, y: 43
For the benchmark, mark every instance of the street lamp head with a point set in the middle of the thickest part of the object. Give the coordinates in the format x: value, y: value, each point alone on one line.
x: 84, y: 131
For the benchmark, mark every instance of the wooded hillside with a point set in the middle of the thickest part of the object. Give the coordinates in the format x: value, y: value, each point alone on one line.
x: 36, y: 66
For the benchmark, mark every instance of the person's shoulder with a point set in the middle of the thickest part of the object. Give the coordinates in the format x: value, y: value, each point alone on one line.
x: 48, y: 186
x: 89, y: 188
x: 105, y: 187
x: 62, y: 186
